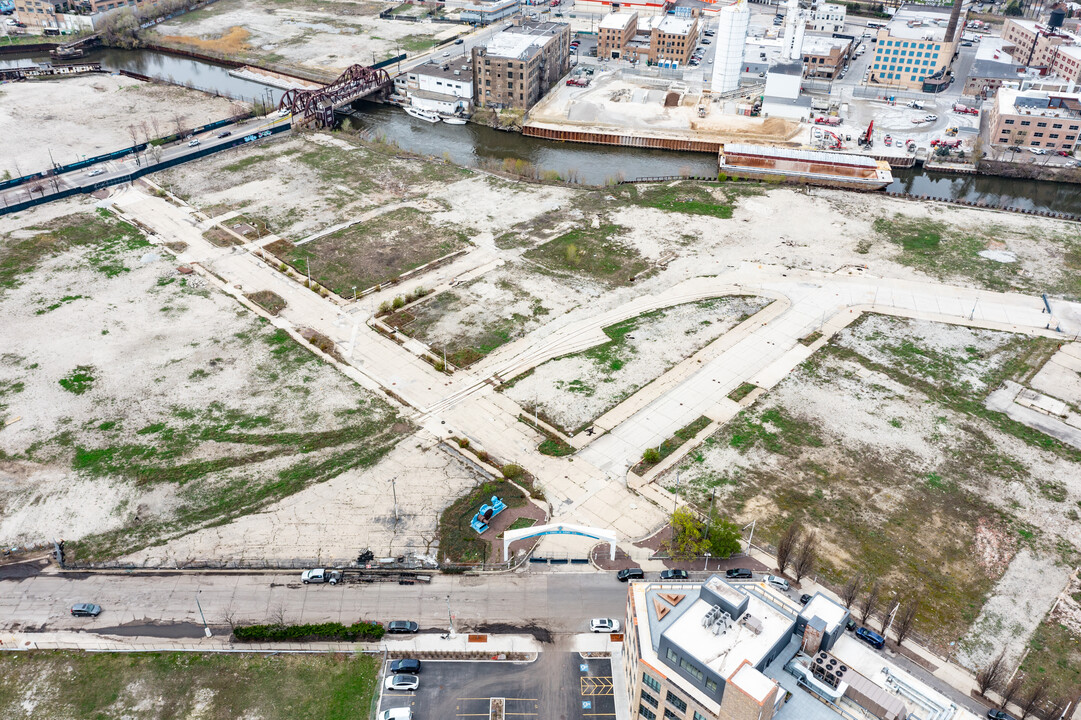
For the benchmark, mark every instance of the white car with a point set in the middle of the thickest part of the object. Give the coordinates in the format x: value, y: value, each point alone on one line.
x: 1037, y: 151
x: 320, y: 575
x: 95, y: 172
x: 778, y: 582
x: 930, y: 118
x: 603, y: 625
x: 399, y: 713
x: 193, y: 143
x: 402, y: 682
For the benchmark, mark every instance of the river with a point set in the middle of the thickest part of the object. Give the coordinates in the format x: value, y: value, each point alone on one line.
x: 593, y: 164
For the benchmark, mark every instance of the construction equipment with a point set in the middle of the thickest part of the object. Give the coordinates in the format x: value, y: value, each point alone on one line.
x: 868, y: 137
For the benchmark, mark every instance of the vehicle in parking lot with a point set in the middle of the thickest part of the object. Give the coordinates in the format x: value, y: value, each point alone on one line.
x: 1037, y: 151
x: 95, y: 172
x: 804, y: 599
x: 1064, y: 153
x: 851, y: 625
x: 778, y: 582
x: 739, y: 574
x: 399, y: 713
x: 320, y: 575
x: 674, y: 574
x: 630, y: 574
x: 402, y: 626
x: 405, y: 665
x: 870, y: 637
x: 402, y: 682
x: 85, y: 610
x: 603, y: 625
x: 707, y: 41
x: 996, y: 714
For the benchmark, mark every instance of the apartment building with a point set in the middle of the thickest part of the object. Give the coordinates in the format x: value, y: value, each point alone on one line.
x: 912, y: 51
x: 1037, y: 44
x: 1035, y: 119
x: 518, y: 65
x: 615, y: 32
x: 672, y: 39
x: 70, y: 15
x: 827, y: 18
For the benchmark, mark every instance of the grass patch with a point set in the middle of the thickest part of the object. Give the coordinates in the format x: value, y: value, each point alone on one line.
x: 669, y: 446
x: 742, y: 391
x: 591, y: 252
x: 212, y: 685
x: 416, y: 43
x: 78, y: 380
x: 272, y: 302
x: 458, y: 542
x: 1054, y: 654
x: 220, y: 237
x: 553, y: 444
x: 522, y: 523
x: 689, y: 198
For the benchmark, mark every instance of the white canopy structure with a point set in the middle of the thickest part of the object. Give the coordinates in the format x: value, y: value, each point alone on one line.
x: 601, y: 534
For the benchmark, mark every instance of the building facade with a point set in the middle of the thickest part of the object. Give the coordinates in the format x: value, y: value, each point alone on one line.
x: 70, y: 15
x: 615, y: 32
x: 673, y: 40
x: 825, y: 57
x: 912, y: 50
x: 1035, y: 44
x: 445, y: 87
x: 1045, y: 120
x: 484, y: 12
x: 519, y: 65
x: 827, y: 18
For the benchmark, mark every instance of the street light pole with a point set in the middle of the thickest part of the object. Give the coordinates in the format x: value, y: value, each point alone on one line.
x: 199, y: 605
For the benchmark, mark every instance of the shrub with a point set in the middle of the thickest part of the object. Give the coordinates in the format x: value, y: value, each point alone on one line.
x: 482, y: 456
x: 399, y: 302
x: 384, y: 307
x: 359, y: 631
x: 512, y: 471
x: 463, y: 442
x: 651, y: 455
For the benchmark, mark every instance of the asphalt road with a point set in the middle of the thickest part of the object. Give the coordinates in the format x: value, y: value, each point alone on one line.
x: 152, y: 602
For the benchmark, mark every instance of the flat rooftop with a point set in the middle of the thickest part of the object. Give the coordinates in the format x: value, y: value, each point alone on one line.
x: 522, y: 41
x: 725, y: 652
x: 822, y: 607
x: 673, y: 25
x: 446, y: 70
x: 617, y: 20
x: 821, y: 45
x: 1039, y: 103
x: 920, y: 23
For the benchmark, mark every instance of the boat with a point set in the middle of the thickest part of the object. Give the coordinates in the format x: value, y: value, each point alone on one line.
x: 425, y: 115
x: 453, y: 119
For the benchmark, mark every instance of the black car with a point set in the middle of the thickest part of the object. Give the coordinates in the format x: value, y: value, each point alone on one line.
x: 405, y: 665
x: 402, y: 626
x: 459, y: 41
x: 224, y: 134
x: 804, y: 599
x: 674, y: 575
x: 996, y: 714
x: 851, y: 625
x: 630, y: 574
x: 739, y: 574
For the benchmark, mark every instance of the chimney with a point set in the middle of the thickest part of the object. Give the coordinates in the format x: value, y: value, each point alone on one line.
x: 955, y: 16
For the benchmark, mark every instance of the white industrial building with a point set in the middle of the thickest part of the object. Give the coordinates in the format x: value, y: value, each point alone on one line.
x: 782, y: 96
x: 828, y: 18
x: 442, y: 87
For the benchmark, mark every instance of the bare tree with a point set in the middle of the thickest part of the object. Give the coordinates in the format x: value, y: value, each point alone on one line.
x: 277, y: 614
x: 1013, y: 687
x: 229, y: 615
x: 156, y: 125
x: 786, y: 545
x: 891, y: 608
x: 869, y: 601
x: 851, y: 590
x: 990, y: 675
x: 905, y: 620
x: 804, y: 563
x: 1035, y: 698
x: 134, y: 132
x: 179, y: 123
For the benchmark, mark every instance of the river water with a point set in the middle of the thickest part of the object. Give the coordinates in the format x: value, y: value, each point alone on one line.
x: 593, y: 164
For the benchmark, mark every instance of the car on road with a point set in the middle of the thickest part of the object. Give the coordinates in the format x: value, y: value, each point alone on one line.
x: 870, y: 637
x: 603, y: 625
x: 227, y: 133
x: 674, y: 575
x: 284, y: 112
x: 739, y: 574
x: 405, y: 665
x: 85, y: 610
x: 402, y: 626
x: 459, y: 41
x: 804, y: 599
x: 321, y: 575
x: 778, y: 582
x: 193, y: 143
x: 95, y: 172
x: 930, y: 118
x: 1014, y: 148
x: 996, y: 714
x: 399, y: 713
x: 630, y: 574
x: 402, y: 682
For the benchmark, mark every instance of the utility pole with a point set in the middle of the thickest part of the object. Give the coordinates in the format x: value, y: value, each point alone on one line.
x: 206, y: 627
x: 394, y: 492
x: 450, y: 618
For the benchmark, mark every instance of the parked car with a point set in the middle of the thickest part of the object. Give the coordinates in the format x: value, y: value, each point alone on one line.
x: 870, y: 637
x: 402, y: 682
x: 86, y: 610
x: 321, y: 575
x: 996, y: 714
x: 778, y: 582
x: 804, y: 599
x: 630, y: 574
x: 1064, y: 153
x: 851, y: 625
x: 227, y: 133
x: 603, y: 625
x: 674, y: 575
x: 1014, y: 148
x: 405, y: 665
x: 193, y: 143
x: 95, y: 172
x: 399, y: 713
x: 402, y: 626
x: 739, y: 574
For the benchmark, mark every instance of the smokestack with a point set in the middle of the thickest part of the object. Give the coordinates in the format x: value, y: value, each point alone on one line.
x: 955, y: 16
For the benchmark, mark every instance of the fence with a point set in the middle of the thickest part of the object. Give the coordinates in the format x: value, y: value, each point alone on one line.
x: 136, y: 174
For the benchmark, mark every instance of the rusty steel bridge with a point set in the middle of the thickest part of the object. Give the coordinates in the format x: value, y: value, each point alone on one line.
x: 317, y: 106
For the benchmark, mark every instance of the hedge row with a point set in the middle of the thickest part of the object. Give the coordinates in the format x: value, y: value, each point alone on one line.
x: 307, y: 633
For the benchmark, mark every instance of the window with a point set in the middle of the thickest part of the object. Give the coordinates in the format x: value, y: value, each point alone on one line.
x: 1043, y: 124
x: 669, y: 715
x: 645, y: 712
x: 1037, y: 134
x: 1009, y: 122
x: 1053, y: 136
x: 1035, y: 143
x: 692, y: 670
x: 651, y: 682
x: 699, y: 716
x: 1070, y: 137
x: 711, y: 685
x: 1026, y: 122
x: 649, y: 698
x: 1073, y: 127
x: 672, y: 655
x: 676, y: 701
x: 1056, y: 126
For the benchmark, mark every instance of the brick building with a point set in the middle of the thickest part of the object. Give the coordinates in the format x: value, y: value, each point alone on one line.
x: 615, y: 32
x: 1035, y: 44
x: 825, y: 57
x: 69, y: 14
x: 661, y: 39
x: 518, y: 65
x: 1035, y: 119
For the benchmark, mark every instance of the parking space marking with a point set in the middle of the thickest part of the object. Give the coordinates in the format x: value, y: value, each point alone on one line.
x: 596, y: 685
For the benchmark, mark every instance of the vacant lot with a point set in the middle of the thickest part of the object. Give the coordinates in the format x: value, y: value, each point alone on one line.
x: 149, y: 405
x: 881, y: 443
x: 373, y: 252
x: 572, y: 391
x: 161, y: 686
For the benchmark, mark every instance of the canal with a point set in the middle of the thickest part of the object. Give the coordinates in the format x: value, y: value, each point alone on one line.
x: 593, y: 164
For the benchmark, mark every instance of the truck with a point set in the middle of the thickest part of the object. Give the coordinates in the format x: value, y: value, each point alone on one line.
x: 321, y: 575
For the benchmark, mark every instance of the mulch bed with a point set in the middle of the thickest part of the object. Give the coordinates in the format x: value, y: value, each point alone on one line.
x: 504, y: 520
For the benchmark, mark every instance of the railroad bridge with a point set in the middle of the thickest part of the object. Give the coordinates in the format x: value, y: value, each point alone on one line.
x: 317, y: 106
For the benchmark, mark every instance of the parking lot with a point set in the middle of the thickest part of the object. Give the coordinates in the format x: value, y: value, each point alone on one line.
x: 557, y: 685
